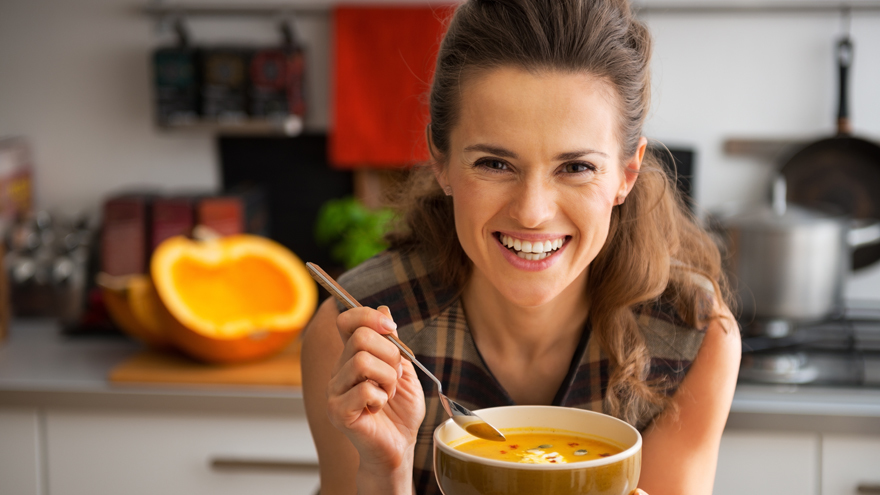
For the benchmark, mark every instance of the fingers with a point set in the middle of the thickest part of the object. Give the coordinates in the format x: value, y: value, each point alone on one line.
x: 365, y: 339
x: 361, y: 329
x: 364, y: 366
x: 368, y: 369
x: 351, y: 320
x: 639, y: 491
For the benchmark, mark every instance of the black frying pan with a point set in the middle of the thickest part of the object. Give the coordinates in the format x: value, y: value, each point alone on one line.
x: 840, y: 174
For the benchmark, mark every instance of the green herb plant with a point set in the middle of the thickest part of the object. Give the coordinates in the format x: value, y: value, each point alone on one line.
x: 353, y: 232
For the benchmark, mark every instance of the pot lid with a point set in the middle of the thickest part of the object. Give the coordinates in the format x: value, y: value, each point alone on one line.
x: 792, y: 217
x: 782, y: 216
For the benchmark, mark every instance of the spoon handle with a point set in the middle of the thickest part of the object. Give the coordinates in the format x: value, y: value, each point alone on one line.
x: 350, y: 302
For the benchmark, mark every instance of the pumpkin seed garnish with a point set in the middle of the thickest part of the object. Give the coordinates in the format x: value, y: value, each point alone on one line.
x: 580, y: 452
x: 545, y: 446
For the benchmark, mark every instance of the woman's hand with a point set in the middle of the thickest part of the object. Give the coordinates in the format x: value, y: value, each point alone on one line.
x: 374, y: 396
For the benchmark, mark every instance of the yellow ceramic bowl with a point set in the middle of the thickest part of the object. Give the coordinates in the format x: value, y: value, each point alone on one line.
x: 466, y: 474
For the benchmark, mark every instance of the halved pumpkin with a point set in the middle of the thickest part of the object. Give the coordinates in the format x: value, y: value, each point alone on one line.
x: 134, y: 306
x: 232, y: 299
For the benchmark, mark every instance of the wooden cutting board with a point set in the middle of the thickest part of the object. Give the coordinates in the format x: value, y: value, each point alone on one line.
x: 167, y: 367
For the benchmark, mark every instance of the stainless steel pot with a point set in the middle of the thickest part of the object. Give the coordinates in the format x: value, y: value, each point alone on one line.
x: 789, y: 263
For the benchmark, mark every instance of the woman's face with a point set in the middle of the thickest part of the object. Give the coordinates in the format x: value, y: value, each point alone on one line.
x: 534, y: 171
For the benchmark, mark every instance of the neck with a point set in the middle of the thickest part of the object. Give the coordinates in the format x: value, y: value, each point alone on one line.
x: 526, y: 332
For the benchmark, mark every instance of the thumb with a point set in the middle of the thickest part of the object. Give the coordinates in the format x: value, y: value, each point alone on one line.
x: 639, y: 491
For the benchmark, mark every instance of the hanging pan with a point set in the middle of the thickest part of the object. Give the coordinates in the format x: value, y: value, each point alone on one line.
x: 839, y: 174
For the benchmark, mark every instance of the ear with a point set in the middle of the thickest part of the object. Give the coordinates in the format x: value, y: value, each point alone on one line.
x: 436, y: 160
x: 631, y: 169
x: 440, y: 174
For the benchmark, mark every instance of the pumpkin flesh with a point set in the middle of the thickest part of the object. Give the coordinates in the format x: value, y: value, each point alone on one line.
x: 234, y: 298
x: 249, y: 293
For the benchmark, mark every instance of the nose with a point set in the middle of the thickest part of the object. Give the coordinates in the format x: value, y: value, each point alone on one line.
x: 534, y: 203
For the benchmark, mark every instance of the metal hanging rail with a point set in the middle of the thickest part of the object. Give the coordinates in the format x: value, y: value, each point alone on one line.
x: 221, y: 10
x: 160, y: 10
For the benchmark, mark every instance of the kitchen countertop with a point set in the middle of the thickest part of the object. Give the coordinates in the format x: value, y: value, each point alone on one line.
x: 40, y: 366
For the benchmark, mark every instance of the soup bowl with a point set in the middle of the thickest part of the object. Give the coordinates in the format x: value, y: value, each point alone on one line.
x: 460, y: 473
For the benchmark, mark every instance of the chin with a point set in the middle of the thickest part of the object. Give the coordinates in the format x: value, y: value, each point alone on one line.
x: 529, y: 298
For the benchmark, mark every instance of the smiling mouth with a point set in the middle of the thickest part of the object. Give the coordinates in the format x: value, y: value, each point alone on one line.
x: 531, y: 250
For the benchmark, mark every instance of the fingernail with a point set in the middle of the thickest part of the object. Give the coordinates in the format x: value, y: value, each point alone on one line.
x: 388, y: 324
x: 399, y: 370
x: 392, y: 394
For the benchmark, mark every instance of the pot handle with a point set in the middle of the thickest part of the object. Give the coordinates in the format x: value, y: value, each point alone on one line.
x: 844, y: 60
x: 863, y: 233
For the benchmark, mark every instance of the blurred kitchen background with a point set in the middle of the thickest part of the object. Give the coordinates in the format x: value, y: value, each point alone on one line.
x: 95, y: 171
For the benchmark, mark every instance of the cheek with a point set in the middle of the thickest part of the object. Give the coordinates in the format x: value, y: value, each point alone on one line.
x: 591, y: 213
x: 473, y: 209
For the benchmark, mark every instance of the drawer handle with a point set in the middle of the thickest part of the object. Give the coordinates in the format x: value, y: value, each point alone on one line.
x: 868, y: 488
x: 241, y: 464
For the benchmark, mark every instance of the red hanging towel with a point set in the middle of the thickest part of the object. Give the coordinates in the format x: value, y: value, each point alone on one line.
x: 384, y: 61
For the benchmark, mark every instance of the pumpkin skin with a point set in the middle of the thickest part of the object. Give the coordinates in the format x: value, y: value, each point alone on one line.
x: 231, y: 299
x: 134, y: 306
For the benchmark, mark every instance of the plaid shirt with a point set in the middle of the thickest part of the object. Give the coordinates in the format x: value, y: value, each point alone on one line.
x: 431, y: 321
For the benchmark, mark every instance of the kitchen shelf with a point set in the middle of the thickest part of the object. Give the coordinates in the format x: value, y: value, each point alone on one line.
x: 752, y: 7
x: 251, y: 127
x: 770, y: 148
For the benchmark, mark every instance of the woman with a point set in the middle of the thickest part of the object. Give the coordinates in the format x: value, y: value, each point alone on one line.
x: 544, y: 259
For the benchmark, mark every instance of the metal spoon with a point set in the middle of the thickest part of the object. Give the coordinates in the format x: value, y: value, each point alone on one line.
x: 463, y: 417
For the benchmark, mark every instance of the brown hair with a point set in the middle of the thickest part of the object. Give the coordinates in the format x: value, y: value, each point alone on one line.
x: 647, y: 232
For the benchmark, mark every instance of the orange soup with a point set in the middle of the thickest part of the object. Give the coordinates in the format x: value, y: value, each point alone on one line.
x: 544, y: 447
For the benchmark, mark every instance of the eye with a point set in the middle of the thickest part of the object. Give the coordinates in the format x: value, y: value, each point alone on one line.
x: 578, y: 168
x: 492, y: 164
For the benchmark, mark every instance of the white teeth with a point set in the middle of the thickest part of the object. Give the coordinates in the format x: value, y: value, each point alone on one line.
x: 532, y: 251
x: 532, y: 256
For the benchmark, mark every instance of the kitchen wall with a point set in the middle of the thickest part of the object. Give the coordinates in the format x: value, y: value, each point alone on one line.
x: 763, y: 76
x: 75, y: 79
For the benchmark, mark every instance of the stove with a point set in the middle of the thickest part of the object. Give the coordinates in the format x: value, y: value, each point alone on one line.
x: 841, y: 350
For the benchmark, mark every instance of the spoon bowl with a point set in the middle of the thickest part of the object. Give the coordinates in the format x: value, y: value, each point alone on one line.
x: 461, y: 415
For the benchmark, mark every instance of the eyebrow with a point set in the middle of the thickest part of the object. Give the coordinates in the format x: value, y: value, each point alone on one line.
x: 505, y: 153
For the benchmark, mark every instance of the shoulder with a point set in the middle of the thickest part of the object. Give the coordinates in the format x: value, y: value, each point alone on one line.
x: 688, y: 321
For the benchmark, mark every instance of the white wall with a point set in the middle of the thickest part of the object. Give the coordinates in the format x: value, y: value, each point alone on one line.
x: 75, y: 79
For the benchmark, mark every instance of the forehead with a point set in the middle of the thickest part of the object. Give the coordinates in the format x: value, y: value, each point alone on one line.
x: 513, y: 104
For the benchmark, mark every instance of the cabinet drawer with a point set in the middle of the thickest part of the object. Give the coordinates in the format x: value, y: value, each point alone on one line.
x: 767, y: 463
x: 109, y: 452
x: 850, y: 465
x: 19, y: 451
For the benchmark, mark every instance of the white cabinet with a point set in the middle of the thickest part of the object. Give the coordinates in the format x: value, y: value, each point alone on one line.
x: 767, y: 463
x: 19, y: 451
x: 132, y: 452
x: 850, y: 464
